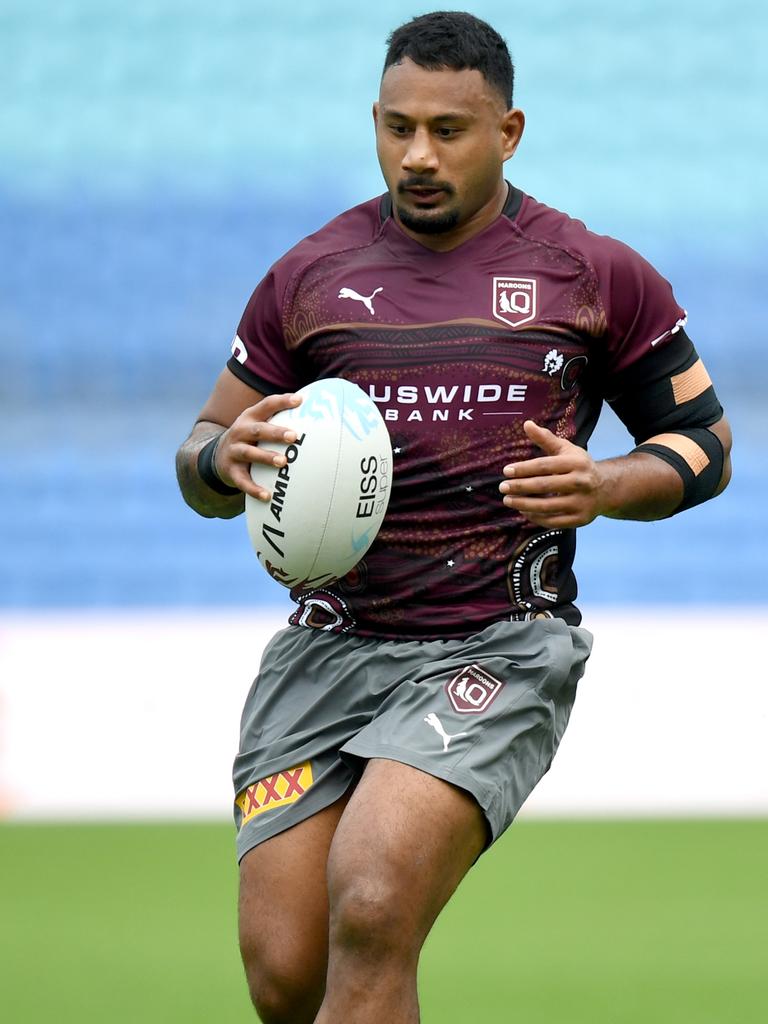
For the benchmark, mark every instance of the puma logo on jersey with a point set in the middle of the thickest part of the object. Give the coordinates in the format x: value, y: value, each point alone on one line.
x: 437, y: 725
x: 367, y: 300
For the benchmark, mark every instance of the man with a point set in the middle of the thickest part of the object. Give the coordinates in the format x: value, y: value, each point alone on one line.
x: 398, y: 724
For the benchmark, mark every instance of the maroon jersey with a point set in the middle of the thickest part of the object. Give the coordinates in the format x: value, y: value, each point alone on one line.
x: 533, y: 318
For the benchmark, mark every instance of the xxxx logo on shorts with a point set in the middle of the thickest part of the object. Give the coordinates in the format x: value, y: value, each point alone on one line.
x: 275, y: 791
x: 473, y: 690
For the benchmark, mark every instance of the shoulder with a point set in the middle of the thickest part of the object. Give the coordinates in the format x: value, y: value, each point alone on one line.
x: 623, y: 279
x: 602, y: 254
x: 352, y: 229
x: 632, y: 306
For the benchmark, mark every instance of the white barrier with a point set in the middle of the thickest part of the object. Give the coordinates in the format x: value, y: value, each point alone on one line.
x: 136, y: 715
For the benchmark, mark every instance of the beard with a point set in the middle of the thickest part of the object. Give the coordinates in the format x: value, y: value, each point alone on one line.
x: 426, y: 222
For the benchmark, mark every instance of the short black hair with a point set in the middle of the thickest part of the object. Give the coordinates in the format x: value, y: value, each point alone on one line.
x: 457, y: 40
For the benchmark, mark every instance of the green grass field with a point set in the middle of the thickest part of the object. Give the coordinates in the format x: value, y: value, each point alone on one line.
x: 560, y: 923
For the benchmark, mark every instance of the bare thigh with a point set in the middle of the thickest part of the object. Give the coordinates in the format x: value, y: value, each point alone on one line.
x: 372, y: 871
x: 283, y: 917
x: 402, y: 845
x: 405, y: 837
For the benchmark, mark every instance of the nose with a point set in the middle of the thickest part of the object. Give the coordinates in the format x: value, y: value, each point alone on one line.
x: 420, y: 155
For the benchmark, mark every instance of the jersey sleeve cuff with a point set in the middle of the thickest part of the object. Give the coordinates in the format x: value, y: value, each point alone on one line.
x: 254, y: 381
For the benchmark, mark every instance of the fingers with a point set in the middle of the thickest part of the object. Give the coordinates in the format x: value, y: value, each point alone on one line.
x: 538, y: 485
x: 554, y: 465
x: 579, y: 481
x: 544, y: 438
x: 253, y: 426
x: 248, y: 441
x: 557, y: 490
x: 555, y: 511
x: 567, y: 500
x: 240, y: 475
x: 562, y: 456
x: 267, y: 407
x: 251, y: 435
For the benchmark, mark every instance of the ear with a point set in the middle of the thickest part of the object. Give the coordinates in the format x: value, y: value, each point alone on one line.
x: 512, y: 127
x: 375, y: 115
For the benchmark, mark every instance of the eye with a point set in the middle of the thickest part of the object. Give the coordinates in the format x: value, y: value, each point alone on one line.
x: 446, y: 132
x: 398, y: 129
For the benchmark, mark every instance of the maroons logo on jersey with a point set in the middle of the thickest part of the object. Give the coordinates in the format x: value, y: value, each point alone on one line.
x: 514, y: 299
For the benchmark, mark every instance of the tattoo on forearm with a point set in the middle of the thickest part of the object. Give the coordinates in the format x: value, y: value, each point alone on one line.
x: 197, y: 494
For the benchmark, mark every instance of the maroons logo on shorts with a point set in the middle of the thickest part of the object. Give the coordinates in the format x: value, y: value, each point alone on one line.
x: 473, y: 690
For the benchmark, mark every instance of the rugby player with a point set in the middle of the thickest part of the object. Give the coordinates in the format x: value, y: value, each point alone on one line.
x: 401, y: 719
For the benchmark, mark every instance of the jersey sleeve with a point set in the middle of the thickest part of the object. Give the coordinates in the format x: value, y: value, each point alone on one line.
x: 641, y: 311
x: 259, y: 355
x: 652, y: 376
x: 668, y: 389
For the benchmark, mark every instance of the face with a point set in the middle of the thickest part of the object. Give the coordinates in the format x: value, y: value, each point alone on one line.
x: 442, y: 138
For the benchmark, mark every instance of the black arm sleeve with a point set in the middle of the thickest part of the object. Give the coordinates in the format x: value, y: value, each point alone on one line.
x: 666, y: 390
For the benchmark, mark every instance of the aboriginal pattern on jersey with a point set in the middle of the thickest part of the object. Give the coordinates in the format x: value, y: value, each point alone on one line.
x: 418, y: 331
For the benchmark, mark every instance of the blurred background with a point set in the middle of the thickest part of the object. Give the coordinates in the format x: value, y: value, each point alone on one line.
x: 155, y: 159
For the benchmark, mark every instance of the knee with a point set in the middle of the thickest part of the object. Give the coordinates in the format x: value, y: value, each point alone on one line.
x: 283, y: 989
x: 369, y: 914
x: 280, y: 1002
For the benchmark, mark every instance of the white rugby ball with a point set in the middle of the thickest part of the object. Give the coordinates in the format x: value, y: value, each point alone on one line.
x: 329, y: 500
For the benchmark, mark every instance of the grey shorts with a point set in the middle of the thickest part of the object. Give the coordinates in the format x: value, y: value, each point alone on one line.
x: 486, y: 713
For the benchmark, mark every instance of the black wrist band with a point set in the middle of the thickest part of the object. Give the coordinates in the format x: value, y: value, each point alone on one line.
x: 207, y: 472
